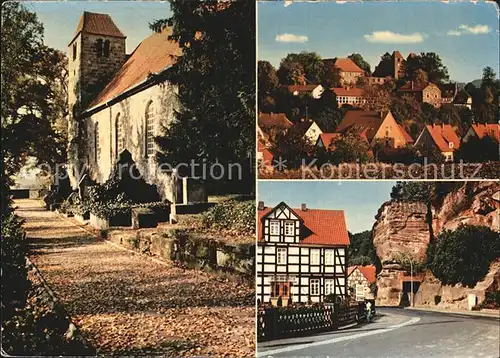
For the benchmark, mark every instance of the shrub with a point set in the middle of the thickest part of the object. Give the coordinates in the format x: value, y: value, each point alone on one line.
x: 232, y: 215
x: 14, y: 271
x: 437, y: 299
x: 492, y: 300
x: 464, y: 255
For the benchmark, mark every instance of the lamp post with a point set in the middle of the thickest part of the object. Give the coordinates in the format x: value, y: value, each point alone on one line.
x: 411, y: 281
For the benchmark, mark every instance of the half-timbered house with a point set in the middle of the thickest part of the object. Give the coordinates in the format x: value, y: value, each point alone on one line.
x: 301, y: 254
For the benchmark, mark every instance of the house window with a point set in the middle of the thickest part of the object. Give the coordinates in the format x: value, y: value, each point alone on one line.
x: 329, y: 286
x: 274, y: 226
x: 289, y: 228
x: 314, y: 286
x: 96, y: 143
x: 150, y: 126
x: 450, y: 145
x: 74, y: 51
x: 120, y: 138
x: 314, y: 257
x: 106, y: 48
x: 280, y: 289
x: 329, y: 254
x: 281, y: 256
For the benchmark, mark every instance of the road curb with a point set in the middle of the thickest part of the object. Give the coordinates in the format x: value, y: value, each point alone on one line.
x: 464, y: 313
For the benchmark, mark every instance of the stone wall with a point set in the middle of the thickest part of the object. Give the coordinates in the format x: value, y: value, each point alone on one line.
x: 132, y: 112
x: 192, y: 250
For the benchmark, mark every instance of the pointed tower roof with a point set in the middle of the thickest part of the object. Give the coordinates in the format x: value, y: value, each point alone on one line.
x: 97, y: 24
x: 397, y: 54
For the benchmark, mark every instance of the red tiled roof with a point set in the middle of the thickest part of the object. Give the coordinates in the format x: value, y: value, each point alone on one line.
x: 267, y: 156
x: 344, y: 64
x: 369, y: 272
x: 367, y: 121
x: 417, y: 86
x: 153, y: 55
x: 442, y: 135
x: 327, y: 227
x: 492, y: 130
x: 327, y: 138
x: 98, y: 24
x: 274, y: 120
x: 352, y: 92
x: 300, y: 88
x: 408, y: 138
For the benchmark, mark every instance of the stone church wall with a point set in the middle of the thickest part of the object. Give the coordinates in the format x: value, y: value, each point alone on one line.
x: 132, y: 113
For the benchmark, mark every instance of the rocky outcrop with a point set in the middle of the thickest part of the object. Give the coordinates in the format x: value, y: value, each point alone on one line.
x: 431, y: 290
x: 401, y: 227
x: 407, y: 227
x: 474, y: 203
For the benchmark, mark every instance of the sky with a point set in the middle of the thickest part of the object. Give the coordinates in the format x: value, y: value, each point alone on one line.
x: 465, y: 35
x: 360, y: 200
x: 60, y: 19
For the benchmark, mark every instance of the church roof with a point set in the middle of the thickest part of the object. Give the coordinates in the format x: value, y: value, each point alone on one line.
x: 154, y: 54
x: 98, y: 24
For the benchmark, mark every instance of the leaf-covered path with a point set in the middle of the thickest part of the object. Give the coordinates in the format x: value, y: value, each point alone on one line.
x: 127, y: 304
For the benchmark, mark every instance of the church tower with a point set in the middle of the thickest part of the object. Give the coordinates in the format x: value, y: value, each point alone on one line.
x: 95, y: 53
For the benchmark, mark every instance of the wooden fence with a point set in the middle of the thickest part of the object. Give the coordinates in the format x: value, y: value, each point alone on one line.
x: 275, y: 323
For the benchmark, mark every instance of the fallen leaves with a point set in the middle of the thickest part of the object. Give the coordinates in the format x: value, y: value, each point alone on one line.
x: 129, y: 305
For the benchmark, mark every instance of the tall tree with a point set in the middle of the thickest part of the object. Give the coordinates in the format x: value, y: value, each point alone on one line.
x: 267, y: 85
x: 310, y: 62
x: 291, y: 73
x: 431, y: 63
x: 216, y: 80
x: 33, y: 97
x: 489, y: 77
x: 360, y: 61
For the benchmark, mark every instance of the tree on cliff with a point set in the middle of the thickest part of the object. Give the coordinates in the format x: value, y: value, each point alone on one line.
x: 412, y: 191
x: 464, y: 255
x: 216, y: 79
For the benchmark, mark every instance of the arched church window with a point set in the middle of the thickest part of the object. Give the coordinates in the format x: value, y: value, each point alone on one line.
x: 98, y: 47
x: 96, y: 144
x: 119, y: 134
x: 106, y: 48
x: 150, y: 129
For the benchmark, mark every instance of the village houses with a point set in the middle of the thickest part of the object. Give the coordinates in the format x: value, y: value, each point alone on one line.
x: 375, y: 127
x: 301, y: 254
x: 360, y: 279
x: 423, y: 92
x: 481, y: 130
x: 441, y: 137
x: 348, y: 70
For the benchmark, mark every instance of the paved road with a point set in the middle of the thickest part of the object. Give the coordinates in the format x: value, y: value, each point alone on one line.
x: 399, y: 333
x: 127, y: 304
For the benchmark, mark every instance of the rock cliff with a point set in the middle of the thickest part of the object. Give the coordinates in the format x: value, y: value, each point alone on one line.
x: 407, y: 227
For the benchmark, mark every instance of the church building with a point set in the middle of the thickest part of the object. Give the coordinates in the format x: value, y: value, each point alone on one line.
x: 116, y: 101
